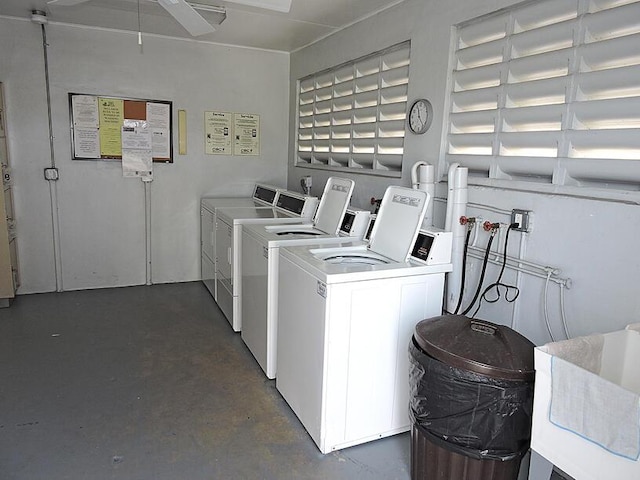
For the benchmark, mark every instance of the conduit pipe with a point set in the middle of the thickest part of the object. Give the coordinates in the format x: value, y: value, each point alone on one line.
x: 40, y: 18
x: 457, y: 197
x: 423, y: 178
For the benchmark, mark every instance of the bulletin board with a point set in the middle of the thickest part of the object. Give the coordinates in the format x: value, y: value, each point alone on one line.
x: 97, y: 122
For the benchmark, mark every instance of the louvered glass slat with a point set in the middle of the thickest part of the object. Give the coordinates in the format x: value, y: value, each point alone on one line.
x: 533, y: 119
x: 392, y: 111
x: 474, y: 122
x: 307, y: 85
x: 306, y: 110
x: 598, y: 5
x: 343, y: 89
x: 540, y: 14
x: 397, y: 76
x: 618, y: 52
x: 363, y: 160
x: 536, y: 144
x: 537, y: 67
x: 488, y: 30
x: 342, y: 118
x: 365, y: 115
x: 320, y: 146
x: 340, y: 159
x: 366, y: 84
x: 344, y: 74
x: 305, y: 133
x: 474, y: 100
x: 392, y: 162
x: 397, y: 94
x: 622, y: 113
x: 305, y: 146
x: 322, y: 120
x: 321, y: 133
x: 340, y: 146
x: 367, y: 67
x: 323, y: 94
x: 364, y: 145
x: 342, y: 104
x: 391, y: 129
x: 341, y: 132
x: 305, y: 122
x: 471, y: 144
x: 540, y: 92
x: 547, y: 39
x: 322, y: 81
x: 306, y: 98
x: 612, y: 83
x: 480, y: 55
x: 364, y: 130
x: 613, y: 23
x: 396, y: 59
x: 474, y: 78
x: 605, y: 144
x: 367, y: 99
x: 322, y: 107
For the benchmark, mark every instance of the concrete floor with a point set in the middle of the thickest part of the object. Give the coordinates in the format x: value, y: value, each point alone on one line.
x: 152, y: 383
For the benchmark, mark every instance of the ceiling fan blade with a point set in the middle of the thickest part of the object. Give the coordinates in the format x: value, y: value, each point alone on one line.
x: 65, y: 3
x: 191, y: 20
x: 277, y: 5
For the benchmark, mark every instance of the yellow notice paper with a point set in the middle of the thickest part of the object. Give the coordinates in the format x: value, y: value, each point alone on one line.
x: 111, y: 112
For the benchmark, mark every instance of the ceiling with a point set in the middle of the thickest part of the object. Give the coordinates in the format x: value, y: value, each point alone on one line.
x: 307, y: 21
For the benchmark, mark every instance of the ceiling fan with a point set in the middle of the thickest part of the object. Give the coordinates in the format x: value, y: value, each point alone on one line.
x: 187, y: 15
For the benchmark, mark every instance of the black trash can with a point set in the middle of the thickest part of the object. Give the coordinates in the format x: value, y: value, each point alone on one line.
x: 471, y: 399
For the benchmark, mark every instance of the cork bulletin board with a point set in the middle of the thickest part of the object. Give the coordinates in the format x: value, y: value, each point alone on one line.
x: 97, y: 122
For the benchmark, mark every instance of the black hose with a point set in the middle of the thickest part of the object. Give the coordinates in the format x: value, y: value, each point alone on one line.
x: 484, y: 270
x: 464, y: 271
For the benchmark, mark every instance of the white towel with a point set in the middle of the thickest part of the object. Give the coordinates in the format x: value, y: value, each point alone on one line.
x: 595, y: 408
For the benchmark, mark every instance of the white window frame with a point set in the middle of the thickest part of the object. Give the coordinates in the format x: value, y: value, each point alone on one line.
x: 352, y: 117
x: 545, y: 96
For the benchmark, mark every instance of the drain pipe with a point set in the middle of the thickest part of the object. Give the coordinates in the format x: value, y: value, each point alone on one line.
x: 51, y: 174
x: 423, y: 178
x: 456, y: 208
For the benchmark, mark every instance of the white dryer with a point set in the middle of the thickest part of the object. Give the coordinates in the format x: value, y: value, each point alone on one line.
x: 260, y: 250
x: 290, y: 207
x: 345, y: 318
x: 264, y: 196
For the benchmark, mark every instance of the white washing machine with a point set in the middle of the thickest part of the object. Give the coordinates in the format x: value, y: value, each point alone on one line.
x: 264, y: 196
x: 290, y: 207
x: 345, y: 318
x: 260, y: 250
x: 335, y: 198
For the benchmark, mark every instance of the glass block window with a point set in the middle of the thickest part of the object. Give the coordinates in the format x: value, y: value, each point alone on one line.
x: 353, y: 116
x: 549, y: 92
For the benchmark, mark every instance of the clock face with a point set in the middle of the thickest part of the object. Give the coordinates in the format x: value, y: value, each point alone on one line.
x: 420, y: 116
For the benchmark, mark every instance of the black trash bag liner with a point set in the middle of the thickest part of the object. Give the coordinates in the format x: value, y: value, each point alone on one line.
x: 487, y: 415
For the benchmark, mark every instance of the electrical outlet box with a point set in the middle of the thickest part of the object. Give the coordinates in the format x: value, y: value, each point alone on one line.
x: 521, y: 217
x: 51, y: 174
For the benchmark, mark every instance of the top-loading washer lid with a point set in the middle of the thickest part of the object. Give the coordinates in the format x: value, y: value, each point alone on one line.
x: 398, y: 221
x: 333, y: 204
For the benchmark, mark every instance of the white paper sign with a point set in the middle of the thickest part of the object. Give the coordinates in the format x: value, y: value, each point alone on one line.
x: 86, y: 142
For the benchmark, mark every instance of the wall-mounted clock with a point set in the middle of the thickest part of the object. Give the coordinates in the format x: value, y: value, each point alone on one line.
x: 420, y: 116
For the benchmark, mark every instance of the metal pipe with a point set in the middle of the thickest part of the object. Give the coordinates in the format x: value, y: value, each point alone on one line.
x: 41, y: 19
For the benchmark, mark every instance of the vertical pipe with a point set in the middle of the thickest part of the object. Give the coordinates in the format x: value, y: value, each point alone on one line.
x: 456, y: 207
x: 53, y: 187
x: 147, y: 228
x: 423, y: 178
